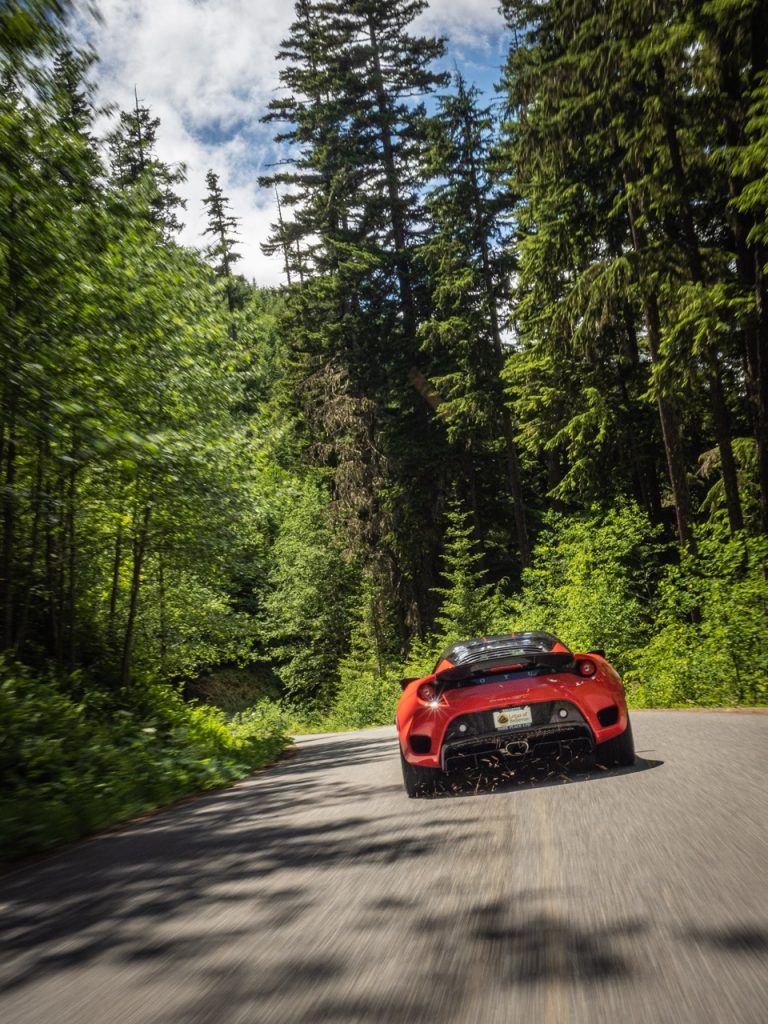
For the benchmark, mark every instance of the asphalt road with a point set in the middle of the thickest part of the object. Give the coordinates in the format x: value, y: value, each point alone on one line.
x: 317, y: 892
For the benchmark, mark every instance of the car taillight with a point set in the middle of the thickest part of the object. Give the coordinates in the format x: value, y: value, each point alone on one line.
x: 426, y: 692
x: 587, y: 668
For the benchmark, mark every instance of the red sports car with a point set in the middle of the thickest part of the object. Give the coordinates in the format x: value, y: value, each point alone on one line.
x: 501, y: 701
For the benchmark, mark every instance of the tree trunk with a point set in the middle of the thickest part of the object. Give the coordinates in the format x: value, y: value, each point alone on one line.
x: 10, y: 398
x: 759, y: 32
x: 114, y: 589
x: 512, y: 457
x: 720, y: 412
x: 61, y: 574
x: 53, y: 574
x: 749, y: 260
x: 555, y: 474
x: 721, y: 417
x: 670, y: 427
x: 163, y: 618
x: 7, y: 559
x: 34, y: 544
x: 511, y: 454
x: 761, y: 382
x: 139, y: 550
x: 71, y: 541
x: 393, y: 191
x: 646, y: 454
x: 283, y: 240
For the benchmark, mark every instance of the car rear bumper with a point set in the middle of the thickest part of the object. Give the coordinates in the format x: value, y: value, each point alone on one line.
x: 551, y: 742
x: 452, y: 737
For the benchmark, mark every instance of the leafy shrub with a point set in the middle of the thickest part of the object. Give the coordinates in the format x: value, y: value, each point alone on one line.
x: 469, y: 603
x: 709, y: 647
x: 423, y: 655
x: 593, y: 581
x: 71, y: 767
x: 364, y: 698
x: 309, y: 608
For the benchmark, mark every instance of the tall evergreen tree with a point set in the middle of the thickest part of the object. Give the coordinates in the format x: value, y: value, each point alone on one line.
x: 352, y: 71
x: 135, y: 165
x: 607, y: 117
x: 468, y: 607
x: 733, y: 61
x: 578, y: 382
x: 469, y: 265
x: 222, y: 229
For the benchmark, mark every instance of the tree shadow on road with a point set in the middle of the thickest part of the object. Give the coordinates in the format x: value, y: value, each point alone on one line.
x: 105, y: 897
x: 306, y: 895
x: 341, y: 751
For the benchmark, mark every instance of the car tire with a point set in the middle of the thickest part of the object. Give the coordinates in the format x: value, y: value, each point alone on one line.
x: 620, y: 750
x: 418, y: 781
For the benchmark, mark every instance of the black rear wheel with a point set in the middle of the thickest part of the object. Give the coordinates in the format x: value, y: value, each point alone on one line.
x: 418, y: 781
x: 619, y: 750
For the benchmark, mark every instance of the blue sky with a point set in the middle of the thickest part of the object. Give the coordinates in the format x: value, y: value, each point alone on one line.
x: 207, y: 69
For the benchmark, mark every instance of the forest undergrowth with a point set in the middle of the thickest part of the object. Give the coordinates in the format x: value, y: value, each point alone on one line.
x: 681, y: 632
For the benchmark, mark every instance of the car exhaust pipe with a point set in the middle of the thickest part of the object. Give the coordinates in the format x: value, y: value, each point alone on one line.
x: 517, y: 748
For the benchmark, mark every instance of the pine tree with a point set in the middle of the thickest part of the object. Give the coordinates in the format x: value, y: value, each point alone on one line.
x: 222, y: 227
x: 469, y: 264
x: 577, y: 377
x: 74, y: 91
x: 350, y: 211
x: 616, y: 237
x: 135, y: 166
x: 352, y: 70
x: 734, y: 54
x: 469, y: 602
x: 390, y: 66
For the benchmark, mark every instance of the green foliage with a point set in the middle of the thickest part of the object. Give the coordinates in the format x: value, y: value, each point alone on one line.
x: 709, y: 644
x: 258, y: 727
x: 751, y: 162
x: 469, y: 604
x: 368, y: 687
x: 130, y: 515
x: 74, y: 765
x: 309, y: 607
x: 31, y: 26
x: 592, y: 582
x: 423, y: 655
x: 364, y: 698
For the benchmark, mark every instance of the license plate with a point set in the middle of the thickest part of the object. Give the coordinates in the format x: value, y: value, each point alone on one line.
x: 511, y: 718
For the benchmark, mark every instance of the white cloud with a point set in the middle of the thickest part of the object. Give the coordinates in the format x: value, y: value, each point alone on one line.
x: 207, y: 69
x: 211, y: 61
x: 465, y: 22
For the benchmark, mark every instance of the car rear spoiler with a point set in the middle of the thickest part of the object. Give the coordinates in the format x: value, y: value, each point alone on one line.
x: 458, y: 675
